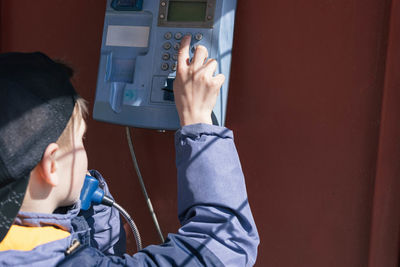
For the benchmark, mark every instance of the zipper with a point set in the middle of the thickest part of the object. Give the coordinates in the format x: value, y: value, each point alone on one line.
x: 75, y: 244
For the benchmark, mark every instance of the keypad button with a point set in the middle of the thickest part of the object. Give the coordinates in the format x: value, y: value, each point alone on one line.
x: 178, y: 36
x: 165, y: 66
x: 166, y: 56
x: 167, y: 45
x: 177, y: 46
x: 168, y: 35
x: 198, y: 36
x: 175, y: 57
x: 173, y: 67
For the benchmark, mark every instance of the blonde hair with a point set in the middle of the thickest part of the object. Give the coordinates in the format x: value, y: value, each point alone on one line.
x: 78, y: 115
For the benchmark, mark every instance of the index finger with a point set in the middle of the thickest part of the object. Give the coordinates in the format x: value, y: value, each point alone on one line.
x: 183, y: 54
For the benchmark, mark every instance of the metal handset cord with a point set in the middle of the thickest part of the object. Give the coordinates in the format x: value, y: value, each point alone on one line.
x: 146, y: 196
x: 110, y: 202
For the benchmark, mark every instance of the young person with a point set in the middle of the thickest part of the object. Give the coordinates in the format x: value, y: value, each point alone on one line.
x: 43, y: 164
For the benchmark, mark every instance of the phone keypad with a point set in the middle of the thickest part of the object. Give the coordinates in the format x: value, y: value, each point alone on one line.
x: 174, y: 43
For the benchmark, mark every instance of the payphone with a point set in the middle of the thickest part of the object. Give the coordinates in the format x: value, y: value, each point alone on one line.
x: 139, y: 51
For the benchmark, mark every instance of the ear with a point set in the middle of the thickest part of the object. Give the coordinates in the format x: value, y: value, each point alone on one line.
x: 48, y: 165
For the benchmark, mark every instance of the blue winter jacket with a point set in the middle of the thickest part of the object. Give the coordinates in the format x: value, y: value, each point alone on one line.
x: 217, y: 227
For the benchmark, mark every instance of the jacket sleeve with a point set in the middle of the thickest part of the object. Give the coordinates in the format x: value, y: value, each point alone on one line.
x: 217, y: 227
x: 212, y: 200
x: 107, y: 232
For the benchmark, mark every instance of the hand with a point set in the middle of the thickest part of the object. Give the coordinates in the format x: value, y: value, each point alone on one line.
x: 196, y: 88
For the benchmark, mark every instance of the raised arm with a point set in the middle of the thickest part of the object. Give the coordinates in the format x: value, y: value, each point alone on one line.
x: 212, y: 199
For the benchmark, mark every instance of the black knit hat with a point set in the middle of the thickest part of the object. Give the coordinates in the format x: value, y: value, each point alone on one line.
x: 36, y: 103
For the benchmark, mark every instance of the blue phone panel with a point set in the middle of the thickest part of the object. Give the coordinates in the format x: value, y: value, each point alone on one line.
x: 139, y: 54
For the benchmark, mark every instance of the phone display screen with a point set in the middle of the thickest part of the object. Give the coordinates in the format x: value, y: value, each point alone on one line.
x: 180, y: 11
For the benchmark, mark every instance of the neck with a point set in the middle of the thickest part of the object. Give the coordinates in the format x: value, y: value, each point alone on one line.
x: 36, y: 206
x: 39, y: 197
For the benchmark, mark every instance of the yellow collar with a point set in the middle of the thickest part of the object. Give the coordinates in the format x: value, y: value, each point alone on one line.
x: 27, y: 238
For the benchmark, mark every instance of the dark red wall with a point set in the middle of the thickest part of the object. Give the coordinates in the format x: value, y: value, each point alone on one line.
x: 314, y: 105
